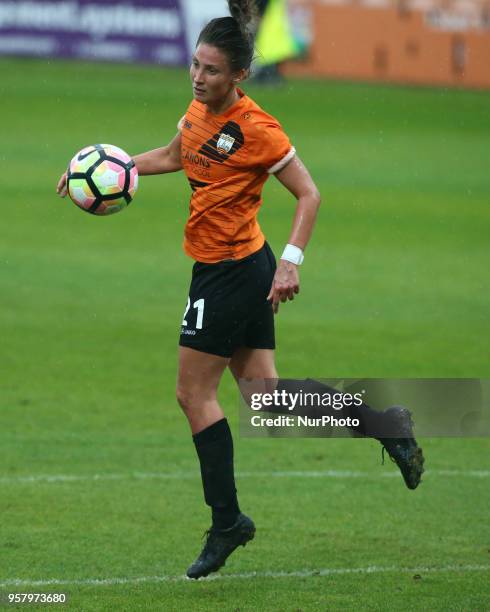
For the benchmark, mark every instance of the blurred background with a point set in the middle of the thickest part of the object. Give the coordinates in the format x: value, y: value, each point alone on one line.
x: 431, y: 42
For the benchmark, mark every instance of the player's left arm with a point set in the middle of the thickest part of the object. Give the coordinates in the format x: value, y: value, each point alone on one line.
x: 296, y: 178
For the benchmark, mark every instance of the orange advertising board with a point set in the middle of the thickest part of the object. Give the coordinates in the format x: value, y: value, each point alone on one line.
x: 419, y: 42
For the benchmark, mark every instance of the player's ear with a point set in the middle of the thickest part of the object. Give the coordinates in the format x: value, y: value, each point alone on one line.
x: 240, y: 76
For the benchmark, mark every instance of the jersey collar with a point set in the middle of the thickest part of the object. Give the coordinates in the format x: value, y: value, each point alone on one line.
x: 233, y: 108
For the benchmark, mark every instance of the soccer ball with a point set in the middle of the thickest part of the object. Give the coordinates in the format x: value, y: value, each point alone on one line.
x: 102, y: 179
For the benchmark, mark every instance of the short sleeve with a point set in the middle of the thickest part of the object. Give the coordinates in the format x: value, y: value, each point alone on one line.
x: 273, y: 148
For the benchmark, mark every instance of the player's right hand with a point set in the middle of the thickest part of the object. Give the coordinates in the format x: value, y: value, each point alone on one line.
x: 61, y: 188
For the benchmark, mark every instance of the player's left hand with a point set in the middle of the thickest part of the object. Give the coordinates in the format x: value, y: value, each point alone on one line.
x: 284, y: 285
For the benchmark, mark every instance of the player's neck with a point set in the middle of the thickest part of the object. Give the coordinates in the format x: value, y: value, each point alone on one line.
x: 225, y: 104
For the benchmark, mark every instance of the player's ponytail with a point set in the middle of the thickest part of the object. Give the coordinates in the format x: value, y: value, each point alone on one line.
x: 234, y: 35
x: 245, y: 14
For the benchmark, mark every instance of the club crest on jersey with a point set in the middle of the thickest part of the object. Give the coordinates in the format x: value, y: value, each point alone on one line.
x: 225, y: 143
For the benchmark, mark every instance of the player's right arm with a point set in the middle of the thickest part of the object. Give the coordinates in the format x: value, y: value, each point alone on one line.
x: 160, y: 161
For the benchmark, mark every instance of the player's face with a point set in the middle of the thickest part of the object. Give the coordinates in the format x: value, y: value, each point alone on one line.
x: 213, y: 82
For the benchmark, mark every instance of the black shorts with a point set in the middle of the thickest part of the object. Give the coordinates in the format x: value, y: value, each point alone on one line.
x: 227, y: 306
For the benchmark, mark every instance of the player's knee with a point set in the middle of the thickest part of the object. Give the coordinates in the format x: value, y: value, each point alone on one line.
x: 186, y: 398
x: 182, y: 397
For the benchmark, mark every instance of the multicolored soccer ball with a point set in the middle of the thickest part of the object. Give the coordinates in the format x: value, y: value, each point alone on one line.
x: 102, y: 179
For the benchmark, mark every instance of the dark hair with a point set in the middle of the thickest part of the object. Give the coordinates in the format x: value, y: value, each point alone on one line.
x: 234, y: 35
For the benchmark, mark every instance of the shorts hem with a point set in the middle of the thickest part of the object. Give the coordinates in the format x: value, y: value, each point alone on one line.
x: 262, y: 346
x: 208, y: 350
x: 227, y: 354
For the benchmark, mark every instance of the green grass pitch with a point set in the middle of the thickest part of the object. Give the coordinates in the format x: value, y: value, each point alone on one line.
x: 395, y: 284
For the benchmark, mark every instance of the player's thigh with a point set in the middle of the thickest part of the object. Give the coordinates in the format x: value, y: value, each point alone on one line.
x: 199, y: 375
x: 254, y: 371
x: 253, y: 363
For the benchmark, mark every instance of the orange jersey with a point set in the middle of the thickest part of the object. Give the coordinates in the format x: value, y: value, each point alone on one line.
x: 227, y: 159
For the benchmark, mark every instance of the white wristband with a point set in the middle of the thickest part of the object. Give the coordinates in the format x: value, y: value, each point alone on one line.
x: 293, y: 254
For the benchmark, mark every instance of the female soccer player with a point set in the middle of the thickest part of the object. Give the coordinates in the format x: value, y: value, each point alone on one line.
x: 228, y: 147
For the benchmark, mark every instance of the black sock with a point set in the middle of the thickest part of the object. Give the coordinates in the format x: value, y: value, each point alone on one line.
x: 372, y: 423
x: 214, y: 446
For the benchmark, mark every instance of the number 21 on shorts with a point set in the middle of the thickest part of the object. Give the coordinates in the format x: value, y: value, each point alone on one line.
x: 199, y: 304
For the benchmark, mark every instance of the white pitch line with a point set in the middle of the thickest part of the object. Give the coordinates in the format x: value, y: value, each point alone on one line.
x: 334, y: 571
x: 340, y: 474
